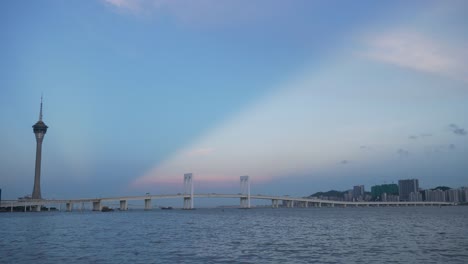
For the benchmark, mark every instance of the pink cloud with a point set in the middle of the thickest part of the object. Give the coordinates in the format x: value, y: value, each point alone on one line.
x: 200, y: 152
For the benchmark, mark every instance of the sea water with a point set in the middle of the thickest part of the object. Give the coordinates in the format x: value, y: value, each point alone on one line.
x: 261, y: 235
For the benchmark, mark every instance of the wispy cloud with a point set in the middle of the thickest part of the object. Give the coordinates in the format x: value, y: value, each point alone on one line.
x: 457, y: 130
x: 440, y: 148
x: 131, y: 5
x: 402, y: 152
x: 415, y: 51
x: 203, y: 12
x: 422, y: 135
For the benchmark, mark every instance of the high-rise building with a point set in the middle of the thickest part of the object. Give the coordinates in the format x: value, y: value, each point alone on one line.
x: 377, y: 191
x: 348, y: 196
x: 39, y: 129
x: 452, y: 196
x: 358, y: 192
x: 415, y: 197
x: 405, y: 187
x: 464, y: 194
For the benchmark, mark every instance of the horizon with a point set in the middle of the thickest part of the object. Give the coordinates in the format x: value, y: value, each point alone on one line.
x: 304, y: 96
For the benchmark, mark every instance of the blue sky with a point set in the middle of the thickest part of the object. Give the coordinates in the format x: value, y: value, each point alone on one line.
x: 303, y: 96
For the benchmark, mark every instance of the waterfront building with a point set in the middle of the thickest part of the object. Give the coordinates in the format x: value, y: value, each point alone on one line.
x: 348, y: 196
x: 452, y: 196
x: 393, y: 198
x: 415, y: 197
x: 405, y: 187
x: 358, y: 192
x: 378, y: 190
x: 464, y: 194
x: 435, y: 195
x: 383, y: 197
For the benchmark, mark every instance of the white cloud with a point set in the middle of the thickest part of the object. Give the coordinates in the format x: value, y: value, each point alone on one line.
x: 204, y: 12
x: 415, y: 51
x: 132, y: 5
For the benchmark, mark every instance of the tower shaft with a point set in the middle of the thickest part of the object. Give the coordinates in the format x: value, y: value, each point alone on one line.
x: 37, y: 175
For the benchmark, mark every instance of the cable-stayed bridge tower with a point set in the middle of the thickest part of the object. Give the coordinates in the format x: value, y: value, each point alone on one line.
x: 245, y: 191
x: 188, y: 191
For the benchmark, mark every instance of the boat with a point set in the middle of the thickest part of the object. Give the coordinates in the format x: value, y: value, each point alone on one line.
x: 166, y: 208
x: 106, y: 209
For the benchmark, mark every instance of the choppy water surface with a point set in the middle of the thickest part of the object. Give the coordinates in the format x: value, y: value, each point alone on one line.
x: 299, y: 235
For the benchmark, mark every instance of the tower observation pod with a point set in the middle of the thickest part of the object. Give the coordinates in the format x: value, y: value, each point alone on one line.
x: 40, y: 130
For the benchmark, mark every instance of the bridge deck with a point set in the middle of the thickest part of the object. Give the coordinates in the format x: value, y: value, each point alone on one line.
x: 30, y: 202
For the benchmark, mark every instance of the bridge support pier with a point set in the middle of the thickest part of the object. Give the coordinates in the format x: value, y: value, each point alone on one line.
x: 36, y: 208
x: 69, y: 207
x: 188, y: 203
x: 147, y: 204
x: 244, y: 202
x: 274, y: 203
x: 290, y: 204
x: 97, y: 206
x: 319, y: 204
x: 123, y: 205
x: 306, y: 204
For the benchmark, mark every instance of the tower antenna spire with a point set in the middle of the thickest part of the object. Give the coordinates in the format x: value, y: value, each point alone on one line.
x: 40, y: 112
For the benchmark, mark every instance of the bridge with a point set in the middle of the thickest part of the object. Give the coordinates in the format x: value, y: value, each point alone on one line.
x: 188, y: 200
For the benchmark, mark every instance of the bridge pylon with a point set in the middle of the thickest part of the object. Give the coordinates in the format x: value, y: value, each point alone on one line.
x: 245, y: 191
x: 188, y: 191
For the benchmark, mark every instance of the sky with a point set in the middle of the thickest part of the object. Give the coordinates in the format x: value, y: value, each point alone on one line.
x: 302, y: 96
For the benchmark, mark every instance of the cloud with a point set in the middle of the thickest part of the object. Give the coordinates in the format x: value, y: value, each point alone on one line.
x: 425, y: 135
x: 437, y: 149
x: 457, y: 130
x: 203, y: 12
x: 422, y: 135
x: 414, y: 51
x: 131, y: 5
x: 344, y: 162
x: 366, y: 148
x: 200, y: 152
x: 402, y: 152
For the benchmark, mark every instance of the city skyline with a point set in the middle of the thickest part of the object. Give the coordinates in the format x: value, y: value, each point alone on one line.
x: 141, y: 92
